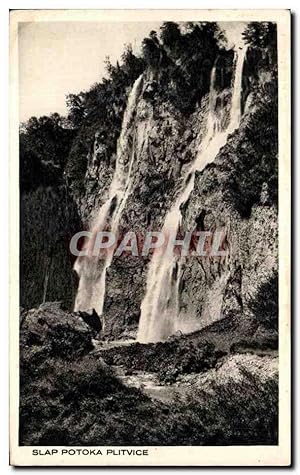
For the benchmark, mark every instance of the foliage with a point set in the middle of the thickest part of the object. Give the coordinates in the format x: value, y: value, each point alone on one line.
x: 48, y: 219
x: 241, y: 412
x: 261, y: 34
x: 181, y: 63
x: 75, y: 105
x: 180, y: 60
x: 173, y: 357
x: 248, y: 163
x: 151, y: 52
x: 100, y: 108
x: 257, y: 150
x: 44, y: 147
x: 81, y: 402
x: 264, y: 304
x: 187, y: 58
x: 69, y: 398
x: 105, y: 100
x: 262, y: 40
x: 255, y: 344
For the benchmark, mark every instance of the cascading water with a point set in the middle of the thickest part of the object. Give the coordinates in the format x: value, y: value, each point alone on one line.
x: 90, y: 269
x: 160, y: 306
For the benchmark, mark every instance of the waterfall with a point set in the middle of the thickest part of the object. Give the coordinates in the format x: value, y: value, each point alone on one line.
x: 235, y: 110
x: 160, y: 306
x: 90, y: 269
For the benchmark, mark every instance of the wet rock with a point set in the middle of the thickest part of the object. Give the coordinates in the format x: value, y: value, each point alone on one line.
x: 236, y: 191
x: 150, y: 90
x: 48, y: 331
x: 92, y: 319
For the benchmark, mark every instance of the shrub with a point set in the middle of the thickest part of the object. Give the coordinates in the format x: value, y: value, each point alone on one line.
x: 264, y: 304
x: 69, y: 397
x: 82, y: 403
x: 44, y: 147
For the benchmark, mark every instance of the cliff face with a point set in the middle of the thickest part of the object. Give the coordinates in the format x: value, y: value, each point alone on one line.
x: 215, y: 288
x: 166, y: 144
x: 235, y: 193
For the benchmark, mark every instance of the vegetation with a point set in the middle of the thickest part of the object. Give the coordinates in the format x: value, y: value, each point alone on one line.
x: 257, y: 152
x: 180, y: 58
x: 169, y: 359
x: 50, y: 146
x: 264, y: 304
x: 100, y: 108
x: 44, y: 148
x: 180, y: 61
x: 261, y: 34
x: 82, y: 403
x: 248, y: 164
x: 49, y: 219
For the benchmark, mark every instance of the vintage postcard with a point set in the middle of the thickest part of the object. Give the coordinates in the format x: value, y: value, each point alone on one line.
x: 150, y: 237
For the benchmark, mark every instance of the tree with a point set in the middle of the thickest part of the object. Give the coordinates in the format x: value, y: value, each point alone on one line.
x: 261, y: 34
x: 170, y: 34
x: 264, y: 305
x: 100, y: 108
x: 131, y: 64
x: 151, y: 52
x: 75, y: 105
x: 189, y: 55
x: 44, y: 148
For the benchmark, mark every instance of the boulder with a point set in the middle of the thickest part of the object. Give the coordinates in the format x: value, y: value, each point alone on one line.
x: 51, y: 332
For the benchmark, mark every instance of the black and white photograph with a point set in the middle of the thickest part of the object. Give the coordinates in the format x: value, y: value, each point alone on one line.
x: 151, y: 298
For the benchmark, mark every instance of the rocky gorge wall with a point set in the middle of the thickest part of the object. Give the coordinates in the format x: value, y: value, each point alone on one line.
x: 169, y: 144
x: 236, y: 193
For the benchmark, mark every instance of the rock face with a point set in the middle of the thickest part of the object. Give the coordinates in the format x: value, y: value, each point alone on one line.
x: 48, y: 332
x: 214, y: 288
x: 235, y: 193
x: 167, y: 143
